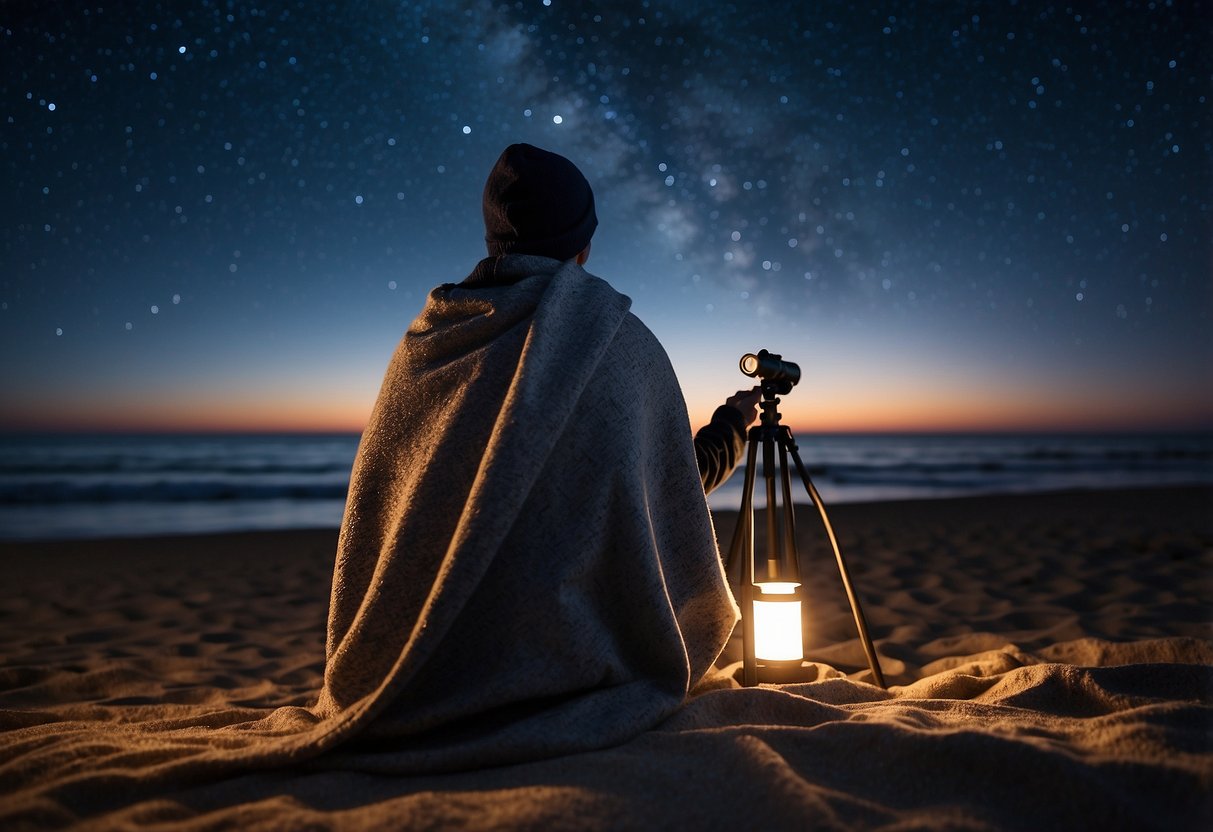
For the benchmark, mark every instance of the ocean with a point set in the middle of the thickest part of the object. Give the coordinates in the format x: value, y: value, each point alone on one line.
x: 89, y: 486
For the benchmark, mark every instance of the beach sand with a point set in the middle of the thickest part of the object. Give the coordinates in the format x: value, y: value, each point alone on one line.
x: 978, y: 603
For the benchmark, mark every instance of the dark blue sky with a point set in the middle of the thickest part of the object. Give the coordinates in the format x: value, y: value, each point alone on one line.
x: 953, y: 215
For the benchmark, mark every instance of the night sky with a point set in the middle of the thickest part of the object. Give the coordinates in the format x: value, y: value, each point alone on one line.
x: 952, y: 215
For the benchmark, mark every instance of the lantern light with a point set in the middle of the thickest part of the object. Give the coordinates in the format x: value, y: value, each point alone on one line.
x: 777, y: 629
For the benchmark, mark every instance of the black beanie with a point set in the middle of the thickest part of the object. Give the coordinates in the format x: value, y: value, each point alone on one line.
x: 537, y: 202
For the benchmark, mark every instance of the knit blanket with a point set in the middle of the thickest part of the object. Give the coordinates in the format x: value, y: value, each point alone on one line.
x: 527, y: 566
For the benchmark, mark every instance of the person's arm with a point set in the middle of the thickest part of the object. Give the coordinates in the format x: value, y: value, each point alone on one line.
x: 719, y: 445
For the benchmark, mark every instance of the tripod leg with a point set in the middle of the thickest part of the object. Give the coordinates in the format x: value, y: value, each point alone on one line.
x: 789, y: 513
x: 742, y: 547
x: 774, y: 532
x: 747, y: 507
x: 749, y: 658
x: 856, y: 610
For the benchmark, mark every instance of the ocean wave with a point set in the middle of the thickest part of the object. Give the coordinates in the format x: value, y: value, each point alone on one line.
x: 102, y: 485
x: 124, y: 465
x: 59, y: 492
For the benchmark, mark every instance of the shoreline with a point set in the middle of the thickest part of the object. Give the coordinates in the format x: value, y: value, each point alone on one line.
x: 978, y: 501
x: 90, y: 488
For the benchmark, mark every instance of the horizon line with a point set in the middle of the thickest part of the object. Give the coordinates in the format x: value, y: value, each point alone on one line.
x: 187, y: 430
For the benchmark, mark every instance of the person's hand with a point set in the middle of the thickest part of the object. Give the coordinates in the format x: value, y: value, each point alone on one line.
x: 745, y: 402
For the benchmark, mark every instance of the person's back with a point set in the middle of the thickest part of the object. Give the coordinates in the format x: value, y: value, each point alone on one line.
x: 527, y: 566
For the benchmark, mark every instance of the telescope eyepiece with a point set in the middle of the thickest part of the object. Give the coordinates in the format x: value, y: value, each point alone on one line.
x: 770, y: 367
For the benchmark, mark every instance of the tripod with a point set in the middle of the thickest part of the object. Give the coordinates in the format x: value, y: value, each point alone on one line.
x: 782, y: 568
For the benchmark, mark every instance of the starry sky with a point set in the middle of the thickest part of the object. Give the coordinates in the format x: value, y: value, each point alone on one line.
x: 953, y: 216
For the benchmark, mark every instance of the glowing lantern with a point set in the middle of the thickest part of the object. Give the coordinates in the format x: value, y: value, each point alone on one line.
x: 777, y: 630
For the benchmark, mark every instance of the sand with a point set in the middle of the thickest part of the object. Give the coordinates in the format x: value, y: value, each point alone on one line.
x: 1049, y: 658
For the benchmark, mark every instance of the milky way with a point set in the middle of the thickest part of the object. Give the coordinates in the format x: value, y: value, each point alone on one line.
x: 192, y: 186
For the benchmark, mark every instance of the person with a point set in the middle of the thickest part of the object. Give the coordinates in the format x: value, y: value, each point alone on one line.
x: 528, y: 196
x: 527, y: 565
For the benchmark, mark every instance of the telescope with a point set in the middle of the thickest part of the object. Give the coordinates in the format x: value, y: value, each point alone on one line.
x: 772, y: 369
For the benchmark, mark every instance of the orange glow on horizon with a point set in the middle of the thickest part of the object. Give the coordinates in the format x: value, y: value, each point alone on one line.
x: 841, y: 407
x: 856, y: 415
x: 198, y: 414
x: 909, y: 417
x: 934, y: 410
